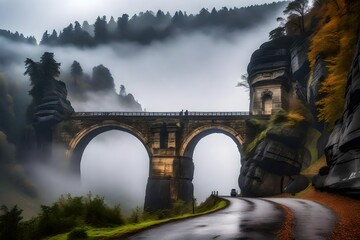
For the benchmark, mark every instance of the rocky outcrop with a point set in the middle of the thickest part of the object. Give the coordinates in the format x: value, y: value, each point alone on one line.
x: 52, y: 109
x: 274, y: 166
x: 343, y: 148
x: 300, y: 67
x: 278, y: 72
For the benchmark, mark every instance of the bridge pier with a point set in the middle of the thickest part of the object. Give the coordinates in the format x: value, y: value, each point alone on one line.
x: 170, y: 177
x: 170, y: 180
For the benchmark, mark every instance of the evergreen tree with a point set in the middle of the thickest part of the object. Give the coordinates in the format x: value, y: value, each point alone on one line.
x: 41, y: 74
x: 10, y: 223
x: 66, y: 36
x: 49, y: 67
x: 276, y: 33
x: 76, y: 70
x: 53, y: 38
x: 112, y: 25
x: 100, y: 30
x: 45, y: 38
x: 297, y: 10
x: 102, y: 79
x: 122, y: 26
x: 88, y: 28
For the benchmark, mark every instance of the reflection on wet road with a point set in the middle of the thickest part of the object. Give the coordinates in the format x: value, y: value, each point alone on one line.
x: 311, y: 220
x: 248, y: 218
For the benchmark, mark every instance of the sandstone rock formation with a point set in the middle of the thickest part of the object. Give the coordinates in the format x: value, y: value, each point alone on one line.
x: 278, y: 73
x: 343, y: 148
x: 274, y: 166
x: 52, y: 109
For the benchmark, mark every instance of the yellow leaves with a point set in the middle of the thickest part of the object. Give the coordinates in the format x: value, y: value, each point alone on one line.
x: 294, y: 118
x: 331, y: 106
x: 334, y: 40
x: 326, y: 41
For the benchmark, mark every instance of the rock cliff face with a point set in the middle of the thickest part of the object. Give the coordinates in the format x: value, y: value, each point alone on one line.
x: 274, y: 166
x: 343, y: 148
x: 52, y: 109
x: 279, y: 67
x: 275, y: 163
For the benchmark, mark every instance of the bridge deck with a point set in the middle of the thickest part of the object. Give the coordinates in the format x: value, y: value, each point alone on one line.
x: 156, y: 114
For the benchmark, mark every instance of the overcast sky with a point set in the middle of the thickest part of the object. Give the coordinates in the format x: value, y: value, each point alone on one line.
x: 33, y: 17
x: 196, y: 71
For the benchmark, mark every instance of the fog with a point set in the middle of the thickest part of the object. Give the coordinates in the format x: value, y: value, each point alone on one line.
x: 116, y: 165
x: 39, y: 15
x: 197, y: 72
x: 217, y: 166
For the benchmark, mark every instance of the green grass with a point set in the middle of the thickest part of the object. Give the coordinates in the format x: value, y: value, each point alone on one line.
x: 116, y: 232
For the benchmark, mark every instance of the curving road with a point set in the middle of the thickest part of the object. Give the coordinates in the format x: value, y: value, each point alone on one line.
x: 249, y: 218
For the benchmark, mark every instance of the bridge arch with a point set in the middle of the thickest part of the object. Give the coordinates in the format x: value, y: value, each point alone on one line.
x: 80, y: 141
x: 190, y: 142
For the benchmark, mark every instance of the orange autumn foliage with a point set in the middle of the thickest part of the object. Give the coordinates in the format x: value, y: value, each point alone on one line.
x: 334, y: 39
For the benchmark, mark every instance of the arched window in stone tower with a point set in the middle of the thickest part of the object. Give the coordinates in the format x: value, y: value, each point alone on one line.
x: 266, y: 97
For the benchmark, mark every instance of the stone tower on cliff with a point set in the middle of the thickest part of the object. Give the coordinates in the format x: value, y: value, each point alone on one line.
x: 270, y: 77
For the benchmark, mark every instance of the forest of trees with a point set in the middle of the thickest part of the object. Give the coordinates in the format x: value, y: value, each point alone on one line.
x: 100, y: 81
x: 146, y: 27
x: 16, y: 37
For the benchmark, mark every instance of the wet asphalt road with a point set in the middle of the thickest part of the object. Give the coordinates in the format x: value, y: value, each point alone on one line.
x: 249, y: 218
x: 311, y: 220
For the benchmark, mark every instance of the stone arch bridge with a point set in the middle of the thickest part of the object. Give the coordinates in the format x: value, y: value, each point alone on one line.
x: 169, y: 138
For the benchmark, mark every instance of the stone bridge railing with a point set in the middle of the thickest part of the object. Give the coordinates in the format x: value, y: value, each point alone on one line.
x: 158, y: 114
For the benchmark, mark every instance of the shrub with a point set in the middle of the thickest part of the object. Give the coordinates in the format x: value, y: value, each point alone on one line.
x: 180, y: 207
x: 136, y: 215
x: 77, y: 234
x: 100, y: 215
x: 208, y: 204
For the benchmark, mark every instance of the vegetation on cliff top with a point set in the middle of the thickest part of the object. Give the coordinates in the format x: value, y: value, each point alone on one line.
x: 333, y: 39
x: 295, y: 117
x: 331, y: 27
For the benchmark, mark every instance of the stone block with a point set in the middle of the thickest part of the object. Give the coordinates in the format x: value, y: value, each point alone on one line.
x: 158, y: 194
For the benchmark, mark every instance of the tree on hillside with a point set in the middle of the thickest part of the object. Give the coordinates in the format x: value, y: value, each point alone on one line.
x: 49, y: 67
x: 66, y: 36
x: 76, y: 70
x: 276, y: 33
x: 100, y: 30
x: 45, y: 38
x: 102, y: 79
x: 279, y: 31
x: 112, y: 25
x: 10, y: 223
x: 88, y: 28
x: 123, y: 26
x: 296, y: 10
x: 53, y: 37
x: 41, y: 74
